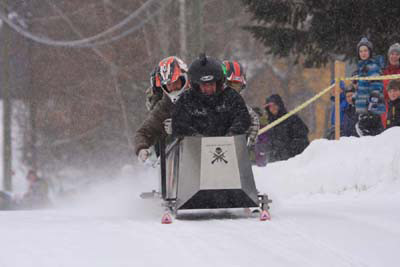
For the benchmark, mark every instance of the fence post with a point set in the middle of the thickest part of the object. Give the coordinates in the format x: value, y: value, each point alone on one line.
x: 339, y: 73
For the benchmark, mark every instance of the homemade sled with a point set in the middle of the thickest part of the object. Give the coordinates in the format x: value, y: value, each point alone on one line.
x: 209, y: 173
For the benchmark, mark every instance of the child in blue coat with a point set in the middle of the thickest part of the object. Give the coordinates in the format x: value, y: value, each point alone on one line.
x: 369, y: 101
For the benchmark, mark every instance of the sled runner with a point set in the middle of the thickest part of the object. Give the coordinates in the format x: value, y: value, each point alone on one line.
x: 208, y: 173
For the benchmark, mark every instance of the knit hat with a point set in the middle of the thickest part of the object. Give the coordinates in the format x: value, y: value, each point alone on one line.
x: 365, y: 42
x: 394, y: 48
x: 350, y: 89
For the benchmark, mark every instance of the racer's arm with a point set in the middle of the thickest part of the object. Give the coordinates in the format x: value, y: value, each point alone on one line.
x: 254, y: 127
x: 240, y: 115
x: 152, y: 128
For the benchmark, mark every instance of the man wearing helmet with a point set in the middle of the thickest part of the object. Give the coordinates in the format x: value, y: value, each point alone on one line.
x: 236, y: 79
x: 170, y: 76
x: 208, y: 108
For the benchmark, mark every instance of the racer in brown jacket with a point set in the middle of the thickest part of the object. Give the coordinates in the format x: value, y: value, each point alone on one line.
x: 171, y: 76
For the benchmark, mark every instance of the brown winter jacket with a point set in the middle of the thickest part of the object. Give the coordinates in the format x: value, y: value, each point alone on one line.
x: 152, y: 128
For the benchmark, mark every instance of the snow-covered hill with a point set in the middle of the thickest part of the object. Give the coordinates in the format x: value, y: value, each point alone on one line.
x: 337, y: 204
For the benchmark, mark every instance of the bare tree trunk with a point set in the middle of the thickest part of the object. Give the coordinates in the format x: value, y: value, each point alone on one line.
x: 33, y: 161
x: 127, y: 130
x: 182, y: 29
x: 286, y: 81
x: 163, y: 26
x: 197, y: 18
x: 7, y: 109
x: 114, y: 75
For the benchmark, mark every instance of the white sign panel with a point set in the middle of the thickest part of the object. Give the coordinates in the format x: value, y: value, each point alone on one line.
x: 219, y: 166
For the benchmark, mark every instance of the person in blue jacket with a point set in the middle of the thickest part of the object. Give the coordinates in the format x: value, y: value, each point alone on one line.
x: 369, y: 100
x: 343, y: 104
x: 350, y: 117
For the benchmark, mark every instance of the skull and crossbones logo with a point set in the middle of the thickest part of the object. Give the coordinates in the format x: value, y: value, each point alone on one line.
x: 218, y: 156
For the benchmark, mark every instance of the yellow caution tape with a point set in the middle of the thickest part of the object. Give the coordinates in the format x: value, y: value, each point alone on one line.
x: 326, y: 90
x: 294, y: 111
x: 374, y: 78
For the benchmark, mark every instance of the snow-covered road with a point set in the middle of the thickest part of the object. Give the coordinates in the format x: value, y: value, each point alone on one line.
x: 312, y: 231
x: 324, y: 214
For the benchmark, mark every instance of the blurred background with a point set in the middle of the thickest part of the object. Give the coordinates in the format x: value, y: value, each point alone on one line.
x: 76, y: 104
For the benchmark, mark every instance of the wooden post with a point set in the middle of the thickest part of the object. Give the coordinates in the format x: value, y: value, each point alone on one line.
x: 339, y: 73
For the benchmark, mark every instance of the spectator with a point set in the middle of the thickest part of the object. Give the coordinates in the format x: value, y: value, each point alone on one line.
x: 350, y: 116
x: 343, y: 103
x: 288, y: 138
x: 392, y: 68
x: 37, y: 195
x: 369, y: 100
x: 393, y: 116
x: 330, y: 133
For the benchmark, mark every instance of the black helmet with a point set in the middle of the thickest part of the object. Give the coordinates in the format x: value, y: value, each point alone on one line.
x: 204, y: 70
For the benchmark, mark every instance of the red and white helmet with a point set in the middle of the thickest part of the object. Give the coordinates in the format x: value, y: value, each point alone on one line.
x: 235, y: 74
x: 170, y: 70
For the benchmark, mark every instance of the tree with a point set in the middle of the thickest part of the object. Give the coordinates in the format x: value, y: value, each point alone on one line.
x: 319, y: 31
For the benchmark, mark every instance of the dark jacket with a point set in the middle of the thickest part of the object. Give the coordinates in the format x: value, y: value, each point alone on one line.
x: 288, y: 138
x: 343, y: 106
x: 393, y: 115
x: 152, y: 129
x: 350, y: 118
x: 224, y: 113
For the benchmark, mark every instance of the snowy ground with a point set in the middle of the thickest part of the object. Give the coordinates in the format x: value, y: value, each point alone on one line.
x: 337, y: 204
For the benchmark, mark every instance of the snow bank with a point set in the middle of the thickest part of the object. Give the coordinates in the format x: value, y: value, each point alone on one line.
x: 351, y: 164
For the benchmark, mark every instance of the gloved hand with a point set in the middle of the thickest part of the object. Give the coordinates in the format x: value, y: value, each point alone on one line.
x: 250, y: 141
x: 143, y: 155
x: 168, y: 126
x: 374, y: 100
